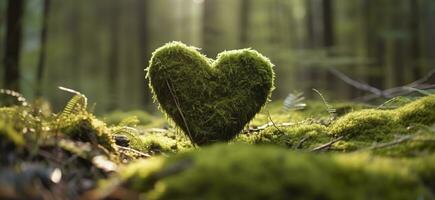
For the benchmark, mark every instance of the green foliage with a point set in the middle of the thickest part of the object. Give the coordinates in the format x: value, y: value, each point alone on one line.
x: 380, y: 140
x: 329, y: 108
x: 209, y: 100
x: 77, y: 104
x: 87, y: 128
x: 8, y: 135
x: 77, y: 123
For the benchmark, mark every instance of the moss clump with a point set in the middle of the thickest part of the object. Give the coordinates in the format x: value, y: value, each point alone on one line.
x: 421, y: 111
x: 299, y: 136
x: 367, y: 127
x: 154, y: 142
x: 9, y: 137
x: 253, y: 172
x: 87, y: 128
x: 209, y: 100
x: 366, y: 124
x: 375, y: 124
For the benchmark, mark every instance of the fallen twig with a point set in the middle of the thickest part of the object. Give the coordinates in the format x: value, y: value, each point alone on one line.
x: 327, y: 145
x: 394, y: 142
x: 299, y: 145
x: 273, y: 123
x: 269, y: 124
x: 134, y: 151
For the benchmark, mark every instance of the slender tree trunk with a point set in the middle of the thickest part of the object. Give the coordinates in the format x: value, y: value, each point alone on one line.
x: 75, y: 36
x: 208, y: 28
x: 42, y: 51
x: 244, y: 22
x: 114, y: 54
x: 328, y: 23
x: 308, y: 71
x: 13, y: 44
x: 415, y: 41
x: 144, y: 52
x: 328, y: 42
x: 374, y: 48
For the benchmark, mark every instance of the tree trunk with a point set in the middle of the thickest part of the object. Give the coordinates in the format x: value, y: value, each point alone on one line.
x: 144, y: 52
x: 114, y: 55
x: 75, y: 40
x: 244, y: 22
x: 42, y: 51
x: 209, y: 29
x: 13, y: 44
x: 328, y: 23
x: 374, y: 48
x: 415, y: 40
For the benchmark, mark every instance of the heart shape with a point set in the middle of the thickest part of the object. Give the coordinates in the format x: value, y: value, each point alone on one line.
x: 209, y: 100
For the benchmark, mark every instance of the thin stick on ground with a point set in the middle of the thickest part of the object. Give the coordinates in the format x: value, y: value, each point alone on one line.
x: 180, y: 112
x: 327, y: 145
x: 301, y: 142
x: 134, y: 151
x: 273, y: 123
x: 269, y: 124
x: 394, y: 142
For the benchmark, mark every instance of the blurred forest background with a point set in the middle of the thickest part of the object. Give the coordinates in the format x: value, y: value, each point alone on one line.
x: 101, y: 47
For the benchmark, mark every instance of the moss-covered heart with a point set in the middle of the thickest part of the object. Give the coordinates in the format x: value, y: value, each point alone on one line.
x: 210, y: 100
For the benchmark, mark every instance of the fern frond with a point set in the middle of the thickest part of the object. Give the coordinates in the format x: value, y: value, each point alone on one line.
x: 77, y: 104
x: 294, y: 101
x: 18, y: 96
x: 329, y: 108
x: 395, y: 102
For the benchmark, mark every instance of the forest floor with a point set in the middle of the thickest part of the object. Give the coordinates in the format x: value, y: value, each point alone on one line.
x: 343, y: 150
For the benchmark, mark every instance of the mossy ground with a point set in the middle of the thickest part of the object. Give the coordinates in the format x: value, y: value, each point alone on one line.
x: 248, y: 172
x: 365, y: 152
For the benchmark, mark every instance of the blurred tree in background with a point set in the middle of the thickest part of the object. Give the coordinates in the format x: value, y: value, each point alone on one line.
x: 101, y: 47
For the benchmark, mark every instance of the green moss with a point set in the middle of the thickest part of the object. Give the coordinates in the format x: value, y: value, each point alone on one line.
x: 209, y: 100
x: 418, y: 143
x: 299, y: 136
x: 254, y: 172
x: 155, y: 142
x: 376, y: 123
x: 421, y: 111
x: 9, y: 136
x: 86, y: 128
x: 425, y: 169
x: 369, y: 124
x: 367, y: 127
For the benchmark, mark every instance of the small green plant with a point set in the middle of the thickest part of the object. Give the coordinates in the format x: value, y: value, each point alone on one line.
x: 210, y: 100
